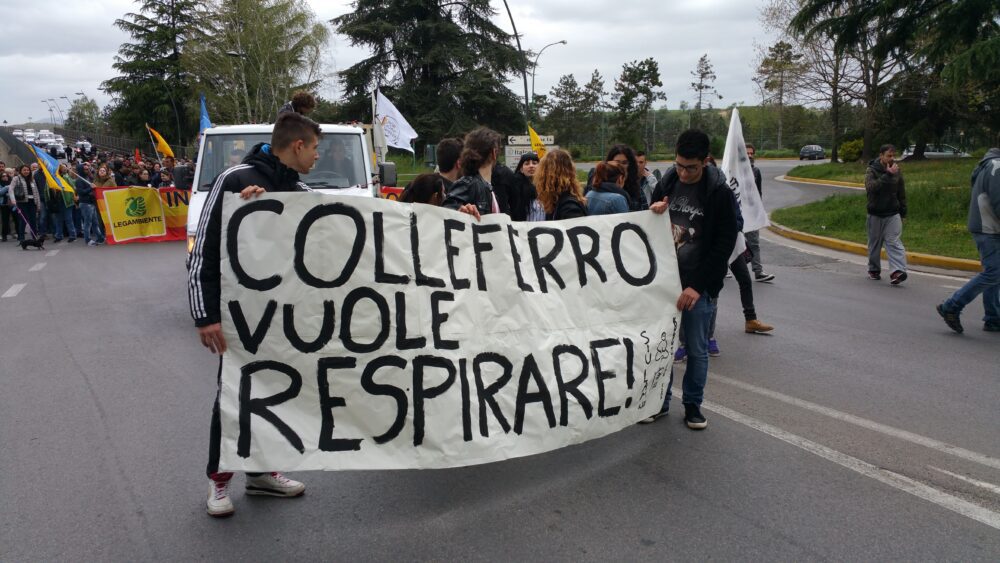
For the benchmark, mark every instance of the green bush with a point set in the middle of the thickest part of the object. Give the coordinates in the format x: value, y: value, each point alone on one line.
x: 850, y: 151
x: 575, y: 153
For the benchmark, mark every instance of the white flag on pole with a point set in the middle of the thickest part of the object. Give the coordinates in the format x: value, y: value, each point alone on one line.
x: 739, y: 174
x: 398, y: 132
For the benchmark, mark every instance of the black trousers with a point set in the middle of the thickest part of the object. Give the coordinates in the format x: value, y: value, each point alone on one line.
x: 742, y: 275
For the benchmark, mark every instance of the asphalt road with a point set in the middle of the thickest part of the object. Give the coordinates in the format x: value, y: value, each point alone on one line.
x: 862, y: 429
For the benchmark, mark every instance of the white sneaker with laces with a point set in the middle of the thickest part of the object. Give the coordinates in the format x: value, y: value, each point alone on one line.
x: 219, y: 503
x: 274, y: 484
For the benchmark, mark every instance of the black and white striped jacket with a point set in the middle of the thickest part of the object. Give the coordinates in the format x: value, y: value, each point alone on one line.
x: 259, y: 168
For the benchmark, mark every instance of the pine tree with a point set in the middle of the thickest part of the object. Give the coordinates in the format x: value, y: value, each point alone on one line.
x: 443, y: 64
x: 150, y: 86
x: 635, y: 92
x: 703, y: 87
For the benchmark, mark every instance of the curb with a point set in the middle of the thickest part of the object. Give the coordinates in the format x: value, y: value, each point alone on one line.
x: 855, y: 248
x: 836, y: 183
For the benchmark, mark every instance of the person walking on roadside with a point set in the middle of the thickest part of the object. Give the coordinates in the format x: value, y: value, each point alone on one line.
x: 753, y: 237
x: 274, y: 167
x: 647, y: 180
x: 886, y: 210
x: 984, y: 224
x: 703, y: 214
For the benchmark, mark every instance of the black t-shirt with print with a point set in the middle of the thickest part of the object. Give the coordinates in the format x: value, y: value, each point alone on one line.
x: 687, y: 213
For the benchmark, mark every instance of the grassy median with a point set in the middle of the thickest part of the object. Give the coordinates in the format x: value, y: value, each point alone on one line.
x: 937, y: 194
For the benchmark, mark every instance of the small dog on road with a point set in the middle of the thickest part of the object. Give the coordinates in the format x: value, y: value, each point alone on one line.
x: 35, y: 242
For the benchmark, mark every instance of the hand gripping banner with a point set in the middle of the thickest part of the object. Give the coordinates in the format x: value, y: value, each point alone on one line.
x: 370, y: 334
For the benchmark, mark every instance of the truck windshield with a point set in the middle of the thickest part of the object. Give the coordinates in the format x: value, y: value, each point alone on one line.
x: 341, y: 161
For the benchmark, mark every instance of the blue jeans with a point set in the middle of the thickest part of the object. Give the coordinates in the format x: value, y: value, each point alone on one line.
x: 62, y: 217
x: 696, y: 322
x: 91, y: 231
x: 986, y: 282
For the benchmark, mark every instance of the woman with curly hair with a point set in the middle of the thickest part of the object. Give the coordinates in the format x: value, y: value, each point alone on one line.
x: 559, y: 191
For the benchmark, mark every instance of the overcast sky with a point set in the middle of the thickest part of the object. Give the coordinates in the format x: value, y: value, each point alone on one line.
x: 52, y: 49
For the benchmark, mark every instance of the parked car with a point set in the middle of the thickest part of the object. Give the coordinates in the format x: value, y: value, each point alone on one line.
x: 938, y: 151
x: 83, y: 146
x: 812, y: 152
x: 57, y: 149
x: 18, y: 134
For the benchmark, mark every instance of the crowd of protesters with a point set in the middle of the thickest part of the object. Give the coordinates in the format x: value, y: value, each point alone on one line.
x: 30, y: 208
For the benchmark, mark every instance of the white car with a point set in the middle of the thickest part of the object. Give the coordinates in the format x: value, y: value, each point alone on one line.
x: 18, y: 134
x: 225, y: 146
x: 938, y: 151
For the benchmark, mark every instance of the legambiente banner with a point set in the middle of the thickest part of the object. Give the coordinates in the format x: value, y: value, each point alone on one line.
x: 370, y: 334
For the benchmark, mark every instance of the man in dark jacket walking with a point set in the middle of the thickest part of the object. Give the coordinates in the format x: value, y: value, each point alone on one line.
x: 886, y: 211
x: 273, y: 167
x: 984, y: 224
x: 703, y: 212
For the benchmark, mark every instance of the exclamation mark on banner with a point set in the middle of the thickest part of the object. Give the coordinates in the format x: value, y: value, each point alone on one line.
x: 629, y: 374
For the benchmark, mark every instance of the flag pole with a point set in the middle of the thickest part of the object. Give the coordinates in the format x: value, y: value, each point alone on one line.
x: 155, y: 151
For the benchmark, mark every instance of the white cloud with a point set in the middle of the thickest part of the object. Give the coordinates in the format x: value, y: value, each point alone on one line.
x: 77, y: 48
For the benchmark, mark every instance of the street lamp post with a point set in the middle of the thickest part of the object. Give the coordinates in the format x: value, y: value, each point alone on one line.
x: 524, y: 72
x: 534, y: 66
x: 59, y: 109
x: 52, y: 115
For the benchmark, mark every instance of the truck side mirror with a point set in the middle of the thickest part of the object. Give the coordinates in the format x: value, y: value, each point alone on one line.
x: 183, y: 177
x: 387, y: 173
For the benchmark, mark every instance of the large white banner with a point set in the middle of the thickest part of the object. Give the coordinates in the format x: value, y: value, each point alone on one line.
x: 370, y: 334
x: 736, y: 167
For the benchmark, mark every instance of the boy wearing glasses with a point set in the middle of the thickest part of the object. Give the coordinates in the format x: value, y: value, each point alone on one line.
x: 703, y: 213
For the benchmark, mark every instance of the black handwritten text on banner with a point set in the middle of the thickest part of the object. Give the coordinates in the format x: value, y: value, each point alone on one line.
x: 369, y: 334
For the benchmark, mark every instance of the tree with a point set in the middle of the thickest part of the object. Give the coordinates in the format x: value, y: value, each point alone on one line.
x: 83, y: 115
x: 595, y: 107
x: 703, y: 87
x: 826, y: 74
x: 246, y: 70
x: 150, y: 86
x: 444, y: 64
x: 566, y: 108
x: 778, y: 74
x: 635, y: 92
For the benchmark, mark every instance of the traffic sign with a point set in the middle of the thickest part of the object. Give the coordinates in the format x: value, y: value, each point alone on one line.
x: 526, y: 140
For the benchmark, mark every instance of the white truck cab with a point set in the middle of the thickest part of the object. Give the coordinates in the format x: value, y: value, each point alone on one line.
x: 344, y: 166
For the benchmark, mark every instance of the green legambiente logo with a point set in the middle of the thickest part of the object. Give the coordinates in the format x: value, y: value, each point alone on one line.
x: 135, y: 207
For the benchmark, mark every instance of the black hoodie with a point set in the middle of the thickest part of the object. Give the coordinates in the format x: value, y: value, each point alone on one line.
x: 259, y: 168
x: 886, y: 192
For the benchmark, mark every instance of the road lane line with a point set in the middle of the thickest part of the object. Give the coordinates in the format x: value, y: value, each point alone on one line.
x: 37, y: 267
x: 14, y: 290
x: 895, y: 480
x: 981, y: 484
x: 924, y: 441
x: 52, y: 252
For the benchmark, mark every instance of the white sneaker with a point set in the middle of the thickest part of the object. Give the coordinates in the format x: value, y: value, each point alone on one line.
x: 274, y: 484
x: 219, y: 503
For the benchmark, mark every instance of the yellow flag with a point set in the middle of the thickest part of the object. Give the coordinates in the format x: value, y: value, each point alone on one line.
x: 161, y: 145
x: 536, y: 143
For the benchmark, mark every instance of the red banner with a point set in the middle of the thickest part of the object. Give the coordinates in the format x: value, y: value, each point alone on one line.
x: 136, y: 214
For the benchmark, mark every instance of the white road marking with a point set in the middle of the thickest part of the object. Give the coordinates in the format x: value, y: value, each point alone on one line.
x: 952, y: 286
x: 14, y: 290
x: 37, y: 267
x: 894, y: 480
x: 924, y: 441
x: 52, y: 252
x: 982, y: 484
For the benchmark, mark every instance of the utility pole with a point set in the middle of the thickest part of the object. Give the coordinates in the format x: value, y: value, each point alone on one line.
x: 524, y: 71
